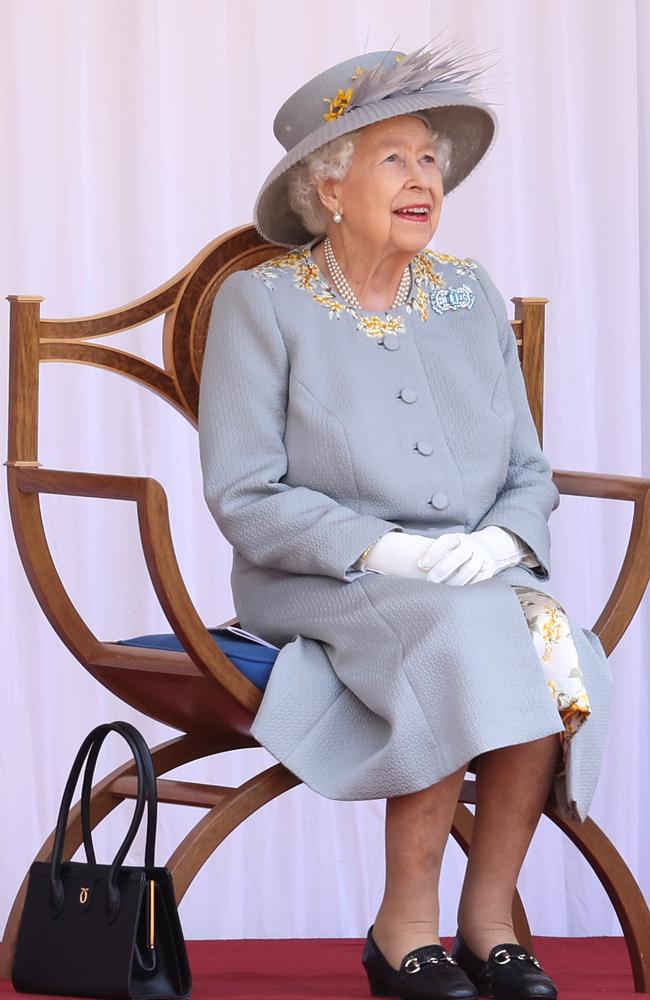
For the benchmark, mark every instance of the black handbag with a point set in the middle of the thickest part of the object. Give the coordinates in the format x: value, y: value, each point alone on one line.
x: 103, y: 930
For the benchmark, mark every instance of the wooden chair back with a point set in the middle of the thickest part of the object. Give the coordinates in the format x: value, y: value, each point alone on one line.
x: 186, y: 301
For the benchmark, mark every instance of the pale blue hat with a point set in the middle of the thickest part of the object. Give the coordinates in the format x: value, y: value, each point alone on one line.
x: 370, y: 88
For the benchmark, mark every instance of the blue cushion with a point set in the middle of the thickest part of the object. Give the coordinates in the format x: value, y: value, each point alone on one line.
x: 254, y: 660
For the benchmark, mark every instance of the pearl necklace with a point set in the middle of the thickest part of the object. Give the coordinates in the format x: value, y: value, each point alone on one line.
x: 343, y: 286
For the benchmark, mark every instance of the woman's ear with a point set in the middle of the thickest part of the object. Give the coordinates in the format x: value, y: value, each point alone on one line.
x: 329, y: 193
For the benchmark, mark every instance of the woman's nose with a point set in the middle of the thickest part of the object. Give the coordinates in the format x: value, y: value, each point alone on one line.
x: 417, y: 174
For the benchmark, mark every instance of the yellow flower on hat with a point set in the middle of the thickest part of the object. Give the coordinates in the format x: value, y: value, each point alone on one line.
x: 338, y: 105
x: 341, y: 102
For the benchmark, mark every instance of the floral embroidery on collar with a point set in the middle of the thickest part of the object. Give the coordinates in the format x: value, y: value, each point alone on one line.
x: 429, y: 290
x: 464, y: 265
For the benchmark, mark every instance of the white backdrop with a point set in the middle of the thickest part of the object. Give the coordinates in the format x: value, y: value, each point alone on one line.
x: 133, y: 132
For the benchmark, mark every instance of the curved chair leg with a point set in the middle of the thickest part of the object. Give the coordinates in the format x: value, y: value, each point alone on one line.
x: 231, y: 806
x: 236, y: 806
x: 166, y: 756
x: 461, y: 831
x: 621, y: 887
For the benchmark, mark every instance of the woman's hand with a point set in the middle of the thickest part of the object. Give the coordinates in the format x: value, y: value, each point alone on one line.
x: 458, y: 558
x: 455, y: 558
x: 397, y: 554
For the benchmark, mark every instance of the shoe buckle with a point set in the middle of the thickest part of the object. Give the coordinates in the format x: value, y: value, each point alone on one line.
x: 413, y: 964
x: 530, y: 958
x: 522, y: 955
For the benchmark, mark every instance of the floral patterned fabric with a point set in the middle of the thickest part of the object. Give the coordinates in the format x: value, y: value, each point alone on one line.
x: 429, y: 289
x: 551, y: 634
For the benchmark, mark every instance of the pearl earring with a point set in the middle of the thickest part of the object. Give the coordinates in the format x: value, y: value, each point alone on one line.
x: 337, y: 217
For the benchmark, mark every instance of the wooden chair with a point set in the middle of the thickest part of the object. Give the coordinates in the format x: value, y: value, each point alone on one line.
x: 199, y: 691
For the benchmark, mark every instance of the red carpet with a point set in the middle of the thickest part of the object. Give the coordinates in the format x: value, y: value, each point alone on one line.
x: 583, y: 968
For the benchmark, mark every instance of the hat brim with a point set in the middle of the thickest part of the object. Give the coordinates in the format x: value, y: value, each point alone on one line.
x: 470, y: 124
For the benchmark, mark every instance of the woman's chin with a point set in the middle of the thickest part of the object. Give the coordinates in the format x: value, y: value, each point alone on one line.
x: 414, y: 240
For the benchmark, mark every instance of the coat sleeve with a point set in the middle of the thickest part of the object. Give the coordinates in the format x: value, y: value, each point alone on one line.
x: 242, y: 418
x: 529, y: 495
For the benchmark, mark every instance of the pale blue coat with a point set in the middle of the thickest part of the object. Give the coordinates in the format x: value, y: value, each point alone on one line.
x: 319, y: 431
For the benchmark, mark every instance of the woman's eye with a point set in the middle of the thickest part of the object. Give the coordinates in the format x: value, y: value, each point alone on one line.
x: 395, y: 156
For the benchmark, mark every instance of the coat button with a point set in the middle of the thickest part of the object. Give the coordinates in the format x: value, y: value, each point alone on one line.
x: 391, y: 342
x: 440, y: 501
x: 424, y: 447
x: 407, y: 394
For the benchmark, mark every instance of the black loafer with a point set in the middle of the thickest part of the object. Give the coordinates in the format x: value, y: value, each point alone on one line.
x: 427, y: 973
x: 510, y: 972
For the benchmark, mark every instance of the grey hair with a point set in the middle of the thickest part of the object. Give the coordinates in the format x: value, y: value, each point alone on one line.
x: 333, y: 160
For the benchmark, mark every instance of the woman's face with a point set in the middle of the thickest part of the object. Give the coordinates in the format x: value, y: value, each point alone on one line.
x: 393, y: 170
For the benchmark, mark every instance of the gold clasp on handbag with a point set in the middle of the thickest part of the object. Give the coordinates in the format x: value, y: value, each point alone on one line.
x: 151, y: 912
x: 83, y: 895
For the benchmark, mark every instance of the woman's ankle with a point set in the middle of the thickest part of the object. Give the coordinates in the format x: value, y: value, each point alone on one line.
x: 481, y: 935
x: 396, y: 936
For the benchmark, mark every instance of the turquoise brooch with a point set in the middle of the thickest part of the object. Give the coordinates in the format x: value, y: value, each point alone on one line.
x: 443, y: 299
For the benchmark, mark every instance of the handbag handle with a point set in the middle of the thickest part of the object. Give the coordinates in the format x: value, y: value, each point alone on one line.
x: 142, y: 755
x: 146, y: 793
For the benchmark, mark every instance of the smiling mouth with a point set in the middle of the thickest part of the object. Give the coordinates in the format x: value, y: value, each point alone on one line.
x: 413, y: 214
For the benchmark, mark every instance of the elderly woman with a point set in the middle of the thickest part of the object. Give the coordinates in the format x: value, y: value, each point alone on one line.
x: 369, y: 452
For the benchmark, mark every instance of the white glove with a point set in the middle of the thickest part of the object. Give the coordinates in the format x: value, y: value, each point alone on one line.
x: 458, y: 558
x: 396, y: 554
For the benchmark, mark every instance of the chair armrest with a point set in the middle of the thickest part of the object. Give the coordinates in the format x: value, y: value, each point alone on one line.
x: 632, y: 579
x: 160, y: 557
